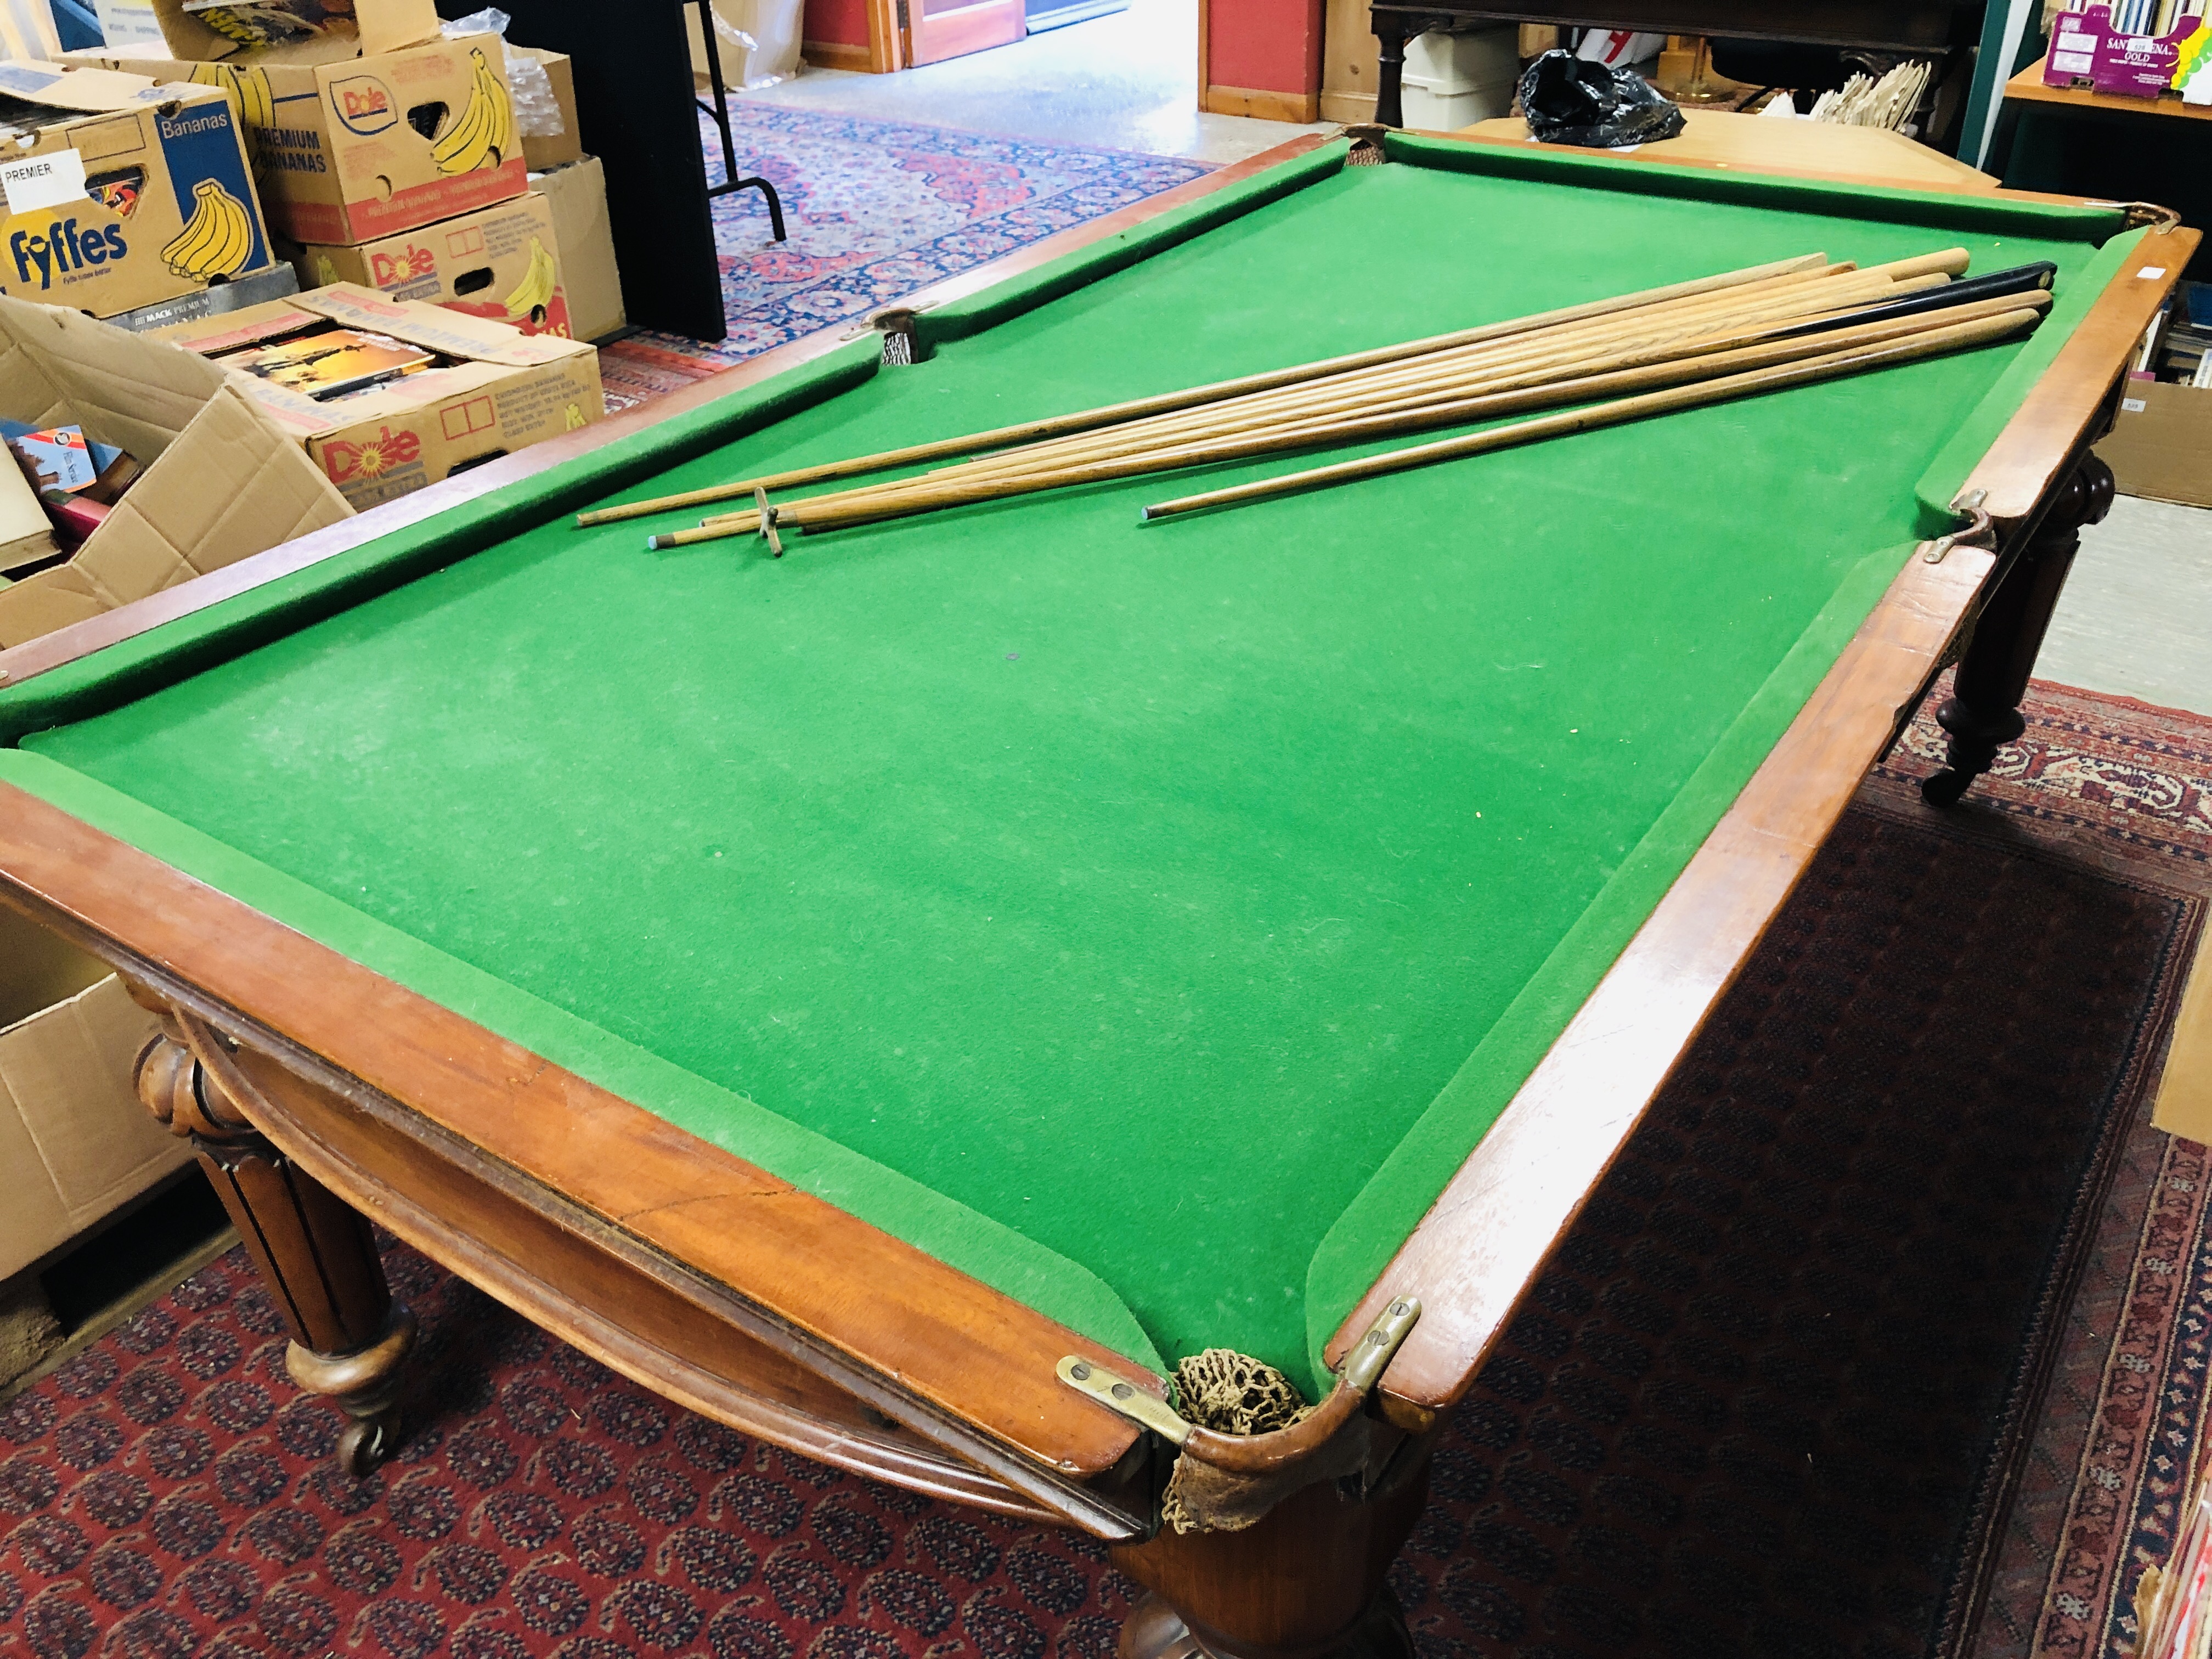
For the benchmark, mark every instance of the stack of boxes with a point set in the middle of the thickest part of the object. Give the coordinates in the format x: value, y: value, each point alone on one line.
x: 173, y: 187
x: 386, y: 153
x: 392, y: 158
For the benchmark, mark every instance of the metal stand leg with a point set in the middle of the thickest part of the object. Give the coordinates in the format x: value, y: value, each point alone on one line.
x: 720, y: 113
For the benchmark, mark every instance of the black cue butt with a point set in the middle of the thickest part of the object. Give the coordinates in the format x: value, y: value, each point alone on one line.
x: 2021, y: 279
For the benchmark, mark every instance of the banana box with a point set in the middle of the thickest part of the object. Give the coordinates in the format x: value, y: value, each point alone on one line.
x: 349, y: 147
x: 493, y: 390
x: 502, y: 262
x: 126, y: 193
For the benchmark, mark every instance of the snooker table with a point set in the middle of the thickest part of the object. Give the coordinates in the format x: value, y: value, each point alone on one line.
x: 841, y: 991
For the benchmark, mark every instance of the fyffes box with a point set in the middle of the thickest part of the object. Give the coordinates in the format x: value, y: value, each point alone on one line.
x: 503, y: 263
x: 134, y: 193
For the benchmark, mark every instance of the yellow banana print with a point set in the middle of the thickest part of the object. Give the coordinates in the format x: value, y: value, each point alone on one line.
x: 254, y: 94
x: 534, y: 293
x: 251, y: 100
x: 484, y: 136
x: 218, y: 239
x: 224, y: 22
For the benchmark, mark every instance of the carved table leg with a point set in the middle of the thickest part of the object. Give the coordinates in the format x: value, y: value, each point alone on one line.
x: 349, y: 1339
x: 1983, y: 712
x: 1307, y: 1582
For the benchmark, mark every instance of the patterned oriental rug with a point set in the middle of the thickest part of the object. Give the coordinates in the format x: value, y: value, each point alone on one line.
x: 875, y: 209
x: 2124, y: 1419
x: 1767, y: 1401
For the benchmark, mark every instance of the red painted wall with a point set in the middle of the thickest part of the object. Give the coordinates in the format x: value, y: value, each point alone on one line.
x: 837, y: 22
x: 1268, y: 45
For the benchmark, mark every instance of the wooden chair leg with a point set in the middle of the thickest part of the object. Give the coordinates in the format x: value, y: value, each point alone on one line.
x: 1983, y: 712
x: 350, y: 1339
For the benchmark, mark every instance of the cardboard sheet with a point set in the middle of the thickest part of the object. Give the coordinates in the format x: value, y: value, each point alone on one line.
x: 74, y: 1139
x: 222, y: 480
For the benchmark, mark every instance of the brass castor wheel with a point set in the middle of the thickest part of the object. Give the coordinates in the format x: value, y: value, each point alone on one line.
x: 365, y: 1442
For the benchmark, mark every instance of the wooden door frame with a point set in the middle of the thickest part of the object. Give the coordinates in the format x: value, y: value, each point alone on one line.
x: 885, y: 51
x: 981, y: 27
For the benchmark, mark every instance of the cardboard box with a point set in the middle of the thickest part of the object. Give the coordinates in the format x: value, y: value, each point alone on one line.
x: 503, y: 263
x: 222, y: 480
x: 360, y: 131
x: 2160, y: 446
x: 134, y: 194
x: 504, y: 390
x: 362, y: 29
x: 773, y: 27
x: 542, y: 152
x: 577, y: 194
x: 273, y: 283
x: 75, y: 1141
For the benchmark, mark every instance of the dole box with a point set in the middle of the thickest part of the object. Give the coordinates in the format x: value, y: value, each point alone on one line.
x: 121, y: 193
x: 488, y: 391
x: 369, y: 126
x: 503, y: 263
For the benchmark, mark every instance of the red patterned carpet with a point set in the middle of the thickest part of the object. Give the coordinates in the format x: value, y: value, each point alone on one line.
x: 1763, y: 1404
x: 2124, y: 1417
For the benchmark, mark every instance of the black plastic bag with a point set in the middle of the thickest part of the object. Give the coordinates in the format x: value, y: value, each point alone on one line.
x: 1572, y: 100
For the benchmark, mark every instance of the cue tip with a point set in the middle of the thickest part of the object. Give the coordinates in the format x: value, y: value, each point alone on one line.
x: 652, y: 544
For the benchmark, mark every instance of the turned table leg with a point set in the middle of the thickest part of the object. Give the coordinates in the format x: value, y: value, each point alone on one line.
x: 1390, y: 70
x: 317, y: 1256
x: 1983, y: 712
x: 1307, y: 1582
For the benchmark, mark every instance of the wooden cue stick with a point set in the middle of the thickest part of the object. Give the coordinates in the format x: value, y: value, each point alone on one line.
x: 1309, y: 435
x: 1348, y: 390
x: 1243, y: 414
x: 1949, y: 262
x: 891, y: 502
x: 1685, y: 315
x: 1593, y: 338
x: 823, y: 512
x: 1925, y: 342
x: 1603, y: 342
x: 1136, y: 408
x: 1459, y: 388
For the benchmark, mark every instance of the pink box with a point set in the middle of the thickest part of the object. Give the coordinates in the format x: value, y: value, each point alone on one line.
x: 2084, y: 49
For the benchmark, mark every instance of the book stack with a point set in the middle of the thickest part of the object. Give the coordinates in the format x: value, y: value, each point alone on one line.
x: 2177, y: 348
